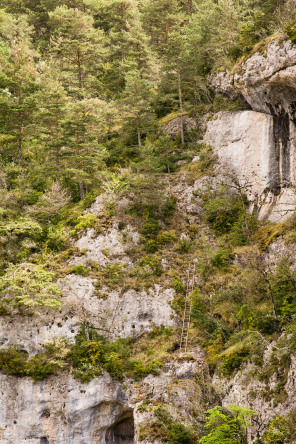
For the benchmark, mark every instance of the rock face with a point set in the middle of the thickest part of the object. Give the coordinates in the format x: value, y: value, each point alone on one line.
x: 259, y: 149
x: 260, y: 146
x: 61, y: 410
x: 267, y: 81
x: 173, y: 128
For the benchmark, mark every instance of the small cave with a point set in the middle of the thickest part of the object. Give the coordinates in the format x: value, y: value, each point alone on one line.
x: 122, y: 432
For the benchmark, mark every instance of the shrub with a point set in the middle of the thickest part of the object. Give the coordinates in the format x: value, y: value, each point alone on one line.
x: 225, y: 211
x: 222, y: 258
x: 140, y: 370
x: 39, y: 368
x: 166, y: 237
x: 28, y: 285
x: 184, y: 245
x: 57, y: 240
x: 114, y: 272
x: 153, y: 263
x: 85, y: 221
x: 291, y: 30
x: 232, y: 360
x: 227, y: 425
x: 15, y: 362
x: 178, y: 286
x: 180, y: 434
x: 281, y: 429
x: 79, y: 270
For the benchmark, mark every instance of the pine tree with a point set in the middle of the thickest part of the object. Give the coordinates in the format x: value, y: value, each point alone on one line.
x: 85, y: 156
x: 77, y: 50
x: 136, y: 103
x: 128, y: 43
x: 18, y: 81
x: 50, y: 203
x: 49, y: 119
x: 160, y: 19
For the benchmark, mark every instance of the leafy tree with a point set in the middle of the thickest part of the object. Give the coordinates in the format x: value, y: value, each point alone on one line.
x: 160, y: 19
x: 51, y: 202
x: 26, y: 286
x: 227, y: 426
x: 280, y: 430
x: 128, y: 46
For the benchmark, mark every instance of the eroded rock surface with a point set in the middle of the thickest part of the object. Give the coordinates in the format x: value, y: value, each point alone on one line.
x: 258, y: 151
x: 61, y: 410
x: 266, y: 80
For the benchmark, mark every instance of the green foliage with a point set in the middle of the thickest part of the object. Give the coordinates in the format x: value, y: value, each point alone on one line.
x: 15, y: 362
x: 166, y: 237
x: 178, y: 286
x: 27, y: 286
x: 222, y: 212
x: 222, y: 258
x: 89, y: 356
x: 233, y: 359
x: 227, y: 426
x: 153, y: 263
x: 164, y: 428
x: 240, y: 348
x: 179, y: 434
x: 280, y: 430
x: 114, y: 273
x: 85, y: 221
x: 291, y: 30
x: 79, y: 270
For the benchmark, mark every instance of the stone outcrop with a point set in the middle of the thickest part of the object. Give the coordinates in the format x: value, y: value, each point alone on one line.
x: 62, y: 410
x: 174, y: 127
x: 259, y: 150
x: 259, y: 146
x: 266, y: 80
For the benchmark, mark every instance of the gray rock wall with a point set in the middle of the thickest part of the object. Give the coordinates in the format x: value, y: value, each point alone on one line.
x: 259, y: 150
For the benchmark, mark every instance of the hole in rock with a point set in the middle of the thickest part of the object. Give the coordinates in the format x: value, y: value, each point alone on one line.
x: 122, y: 432
x: 44, y: 440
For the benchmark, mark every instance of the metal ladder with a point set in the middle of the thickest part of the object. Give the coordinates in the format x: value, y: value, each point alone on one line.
x: 187, y: 312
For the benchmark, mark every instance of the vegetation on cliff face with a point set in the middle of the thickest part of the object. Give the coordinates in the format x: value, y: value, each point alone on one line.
x: 87, y: 88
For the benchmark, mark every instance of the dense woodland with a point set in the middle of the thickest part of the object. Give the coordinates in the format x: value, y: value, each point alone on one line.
x: 87, y: 89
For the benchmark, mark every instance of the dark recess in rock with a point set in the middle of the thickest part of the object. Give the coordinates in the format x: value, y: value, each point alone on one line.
x: 122, y: 432
x: 281, y: 171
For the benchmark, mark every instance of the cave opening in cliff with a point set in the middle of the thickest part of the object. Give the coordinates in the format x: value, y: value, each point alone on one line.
x: 123, y: 431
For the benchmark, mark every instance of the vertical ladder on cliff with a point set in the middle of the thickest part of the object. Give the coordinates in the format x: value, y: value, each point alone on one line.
x: 187, y: 312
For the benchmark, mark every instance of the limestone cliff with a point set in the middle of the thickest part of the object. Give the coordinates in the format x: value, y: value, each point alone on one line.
x: 255, y: 148
x: 259, y: 145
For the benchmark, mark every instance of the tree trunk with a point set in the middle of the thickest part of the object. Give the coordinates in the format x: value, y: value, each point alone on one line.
x: 189, y: 6
x: 79, y: 70
x: 81, y: 187
x: 139, y: 135
x: 20, y: 152
x: 168, y: 164
x: 181, y: 110
x: 50, y: 224
x: 58, y: 164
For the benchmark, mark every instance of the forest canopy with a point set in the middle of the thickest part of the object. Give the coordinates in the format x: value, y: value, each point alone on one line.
x: 86, y: 85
